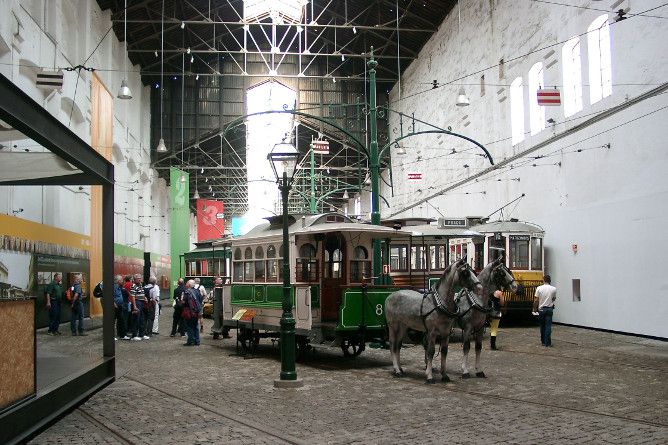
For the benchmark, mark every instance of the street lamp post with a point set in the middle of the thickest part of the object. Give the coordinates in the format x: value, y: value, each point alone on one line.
x: 284, y: 158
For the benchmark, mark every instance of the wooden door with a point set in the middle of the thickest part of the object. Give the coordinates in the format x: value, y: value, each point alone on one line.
x: 333, y: 276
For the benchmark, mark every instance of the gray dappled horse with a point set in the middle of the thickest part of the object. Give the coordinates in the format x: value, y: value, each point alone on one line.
x: 433, y: 314
x: 473, y: 311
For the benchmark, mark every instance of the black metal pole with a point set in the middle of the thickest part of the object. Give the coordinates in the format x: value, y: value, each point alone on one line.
x: 288, y: 368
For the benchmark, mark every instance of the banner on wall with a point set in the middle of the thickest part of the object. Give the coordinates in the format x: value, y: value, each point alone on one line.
x: 179, y: 230
x: 210, y: 219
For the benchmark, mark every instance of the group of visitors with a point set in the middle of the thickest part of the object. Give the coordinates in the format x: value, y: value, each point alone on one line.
x: 137, y: 307
x: 188, y: 303
x: 55, y: 297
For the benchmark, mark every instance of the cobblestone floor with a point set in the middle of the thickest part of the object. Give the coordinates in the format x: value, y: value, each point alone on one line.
x: 591, y: 387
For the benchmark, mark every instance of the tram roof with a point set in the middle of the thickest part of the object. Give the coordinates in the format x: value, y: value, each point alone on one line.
x: 448, y: 232
x: 312, y: 224
x: 508, y: 227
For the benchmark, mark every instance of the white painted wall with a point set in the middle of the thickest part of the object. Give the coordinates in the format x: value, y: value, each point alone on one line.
x: 62, y: 33
x: 611, y: 202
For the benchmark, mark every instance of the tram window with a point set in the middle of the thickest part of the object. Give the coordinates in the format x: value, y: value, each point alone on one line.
x: 237, y: 254
x: 248, y: 265
x: 479, y: 261
x: 418, y: 258
x: 398, y: 258
x: 536, y: 253
x: 307, y: 264
x: 497, y: 247
x: 334, y: 262
x: 519, y: 252
x: 238, y: 271
x: 272, y: 264
x: 360, y: 266
x: 204, y: 268
x: 436, y: 257
x: 218, y: 270
x: 259, y: 264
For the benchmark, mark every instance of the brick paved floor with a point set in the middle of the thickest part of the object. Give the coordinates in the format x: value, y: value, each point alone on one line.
x: 591, y: 387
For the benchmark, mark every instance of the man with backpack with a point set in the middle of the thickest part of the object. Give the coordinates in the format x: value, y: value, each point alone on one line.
x: 177, y: 321
x: 202, y: 295
x: 76, y: 303
x: 190, y: 313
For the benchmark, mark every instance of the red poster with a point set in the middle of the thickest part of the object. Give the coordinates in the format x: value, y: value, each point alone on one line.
x: 210, y: 219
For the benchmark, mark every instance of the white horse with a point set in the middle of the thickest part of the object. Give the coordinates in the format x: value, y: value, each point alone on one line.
x: 473, y: 310
x: 433, y: 313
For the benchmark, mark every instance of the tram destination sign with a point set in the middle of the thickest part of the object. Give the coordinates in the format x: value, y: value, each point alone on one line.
x: 414, y: 176
x: 452, y: 222
x: 520, y: 237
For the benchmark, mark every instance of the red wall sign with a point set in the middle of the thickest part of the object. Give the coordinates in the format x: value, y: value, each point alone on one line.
x: 549, y: 97
x: 414, y: 176
x: 210, y: 219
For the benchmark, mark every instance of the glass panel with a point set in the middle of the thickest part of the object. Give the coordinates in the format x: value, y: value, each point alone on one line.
x: 248, y: 271
x: 398, y: 258
x: 272, y: 269
x: 259, y: 252
x: 259, y: 271
x: 307, y: 251
x: 359, y: 270
x: 307, y: 270
x: 361, y: 253
x: 237, y: 253
x: 238, y: 271
x: 536, y: 253
x: 519, y: 254
x: 248, y: 254
x: 497, y: 247
x: 271, y: 252
x: 441, y: 257
x: 418, y: 258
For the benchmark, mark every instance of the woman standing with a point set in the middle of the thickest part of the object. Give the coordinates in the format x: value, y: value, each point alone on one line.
x: 497, y: 301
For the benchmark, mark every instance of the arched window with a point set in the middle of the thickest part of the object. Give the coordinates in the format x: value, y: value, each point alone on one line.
x: 517, y: 110
x: 248, y: 265
x: 536, y: 112
x: 307, y: 264
x: 360, y: 265
x: 272, y: 264
x: 259, y: 264
x: 572, y: 67
x: 600, y: 59
x: 238, y: 268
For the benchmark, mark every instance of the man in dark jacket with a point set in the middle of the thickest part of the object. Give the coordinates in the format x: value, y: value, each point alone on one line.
x: 177, y: 321
x: 77, y: 307
x: 54, y: 295
x: 120, y: 308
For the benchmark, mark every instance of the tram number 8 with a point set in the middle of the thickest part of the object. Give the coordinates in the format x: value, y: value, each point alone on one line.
x: 379, y: 309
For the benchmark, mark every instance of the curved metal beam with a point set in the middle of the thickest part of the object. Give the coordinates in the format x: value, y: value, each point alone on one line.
x: 448, y: 132
x: 238, y: 121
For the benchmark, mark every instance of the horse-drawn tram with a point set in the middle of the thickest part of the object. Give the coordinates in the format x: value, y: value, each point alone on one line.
x: 419, y: 258
x: 330, y: 272
x: 209, y: 259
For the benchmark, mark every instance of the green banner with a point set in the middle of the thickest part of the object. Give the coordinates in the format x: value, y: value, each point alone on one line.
x: 179, y: 192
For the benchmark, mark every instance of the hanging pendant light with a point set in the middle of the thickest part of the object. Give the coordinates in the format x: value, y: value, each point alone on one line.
x: 462, y: 99
x: 401, y: 150
x: 124, y: 92
x: 162, y: 148
x: 345, y: 195
x: 196, y: 195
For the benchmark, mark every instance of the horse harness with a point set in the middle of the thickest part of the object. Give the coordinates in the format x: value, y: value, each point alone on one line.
x: 440, y: 306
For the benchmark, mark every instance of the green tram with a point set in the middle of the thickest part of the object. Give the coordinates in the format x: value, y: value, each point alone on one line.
x: 209, y: 259
x: 333, y: 299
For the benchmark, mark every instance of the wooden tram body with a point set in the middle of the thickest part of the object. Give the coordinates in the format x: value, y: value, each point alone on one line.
x: 418, y: 260
x: 330, y: 273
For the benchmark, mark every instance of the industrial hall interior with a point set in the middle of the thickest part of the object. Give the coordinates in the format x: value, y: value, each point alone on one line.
x: 333, y: 221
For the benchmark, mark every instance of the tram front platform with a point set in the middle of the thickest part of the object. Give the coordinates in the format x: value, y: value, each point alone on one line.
x: 591, y: 387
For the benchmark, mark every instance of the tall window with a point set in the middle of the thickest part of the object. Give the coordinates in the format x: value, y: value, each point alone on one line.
x: 517, y: 110
x: 307, y: 264
x: 272, y: 264
x: 398, y: 255
x: 536, y: 112
x: 248, y: 265
x: 572, y: 66
x: 238, y: 265
x: 259, y: 264
x: 360, y: 265
x: 600, y: 59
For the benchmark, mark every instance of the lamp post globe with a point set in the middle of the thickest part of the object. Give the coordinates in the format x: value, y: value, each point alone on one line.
x: 284, y: 158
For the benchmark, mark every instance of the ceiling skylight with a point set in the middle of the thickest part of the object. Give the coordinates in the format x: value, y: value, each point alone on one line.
x: 280, y: 11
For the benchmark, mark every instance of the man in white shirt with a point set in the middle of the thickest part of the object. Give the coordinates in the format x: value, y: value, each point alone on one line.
x: 544, y: 299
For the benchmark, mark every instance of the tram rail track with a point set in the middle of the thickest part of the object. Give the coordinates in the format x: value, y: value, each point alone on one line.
x: 103, y: 426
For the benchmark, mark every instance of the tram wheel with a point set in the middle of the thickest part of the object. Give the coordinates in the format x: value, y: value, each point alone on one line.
x: 303, y: 347
x: 352, y: 347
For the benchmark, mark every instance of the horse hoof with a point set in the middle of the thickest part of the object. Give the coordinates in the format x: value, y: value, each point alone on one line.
x: 396, y: 374
x: 401, y: 371
x: 466, y: 376
x: 429, y: 382
x: 445, y: 379
x: 480, y: 375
